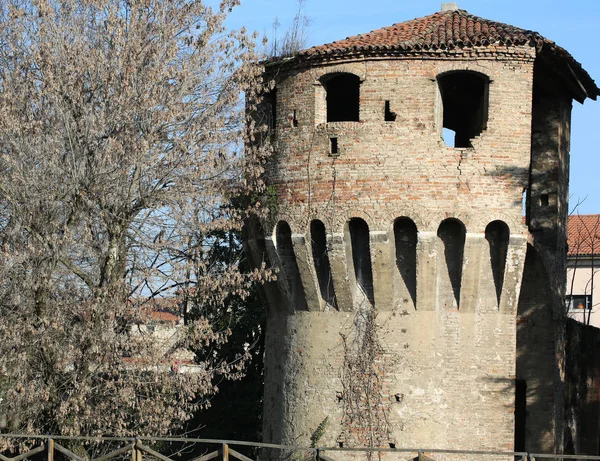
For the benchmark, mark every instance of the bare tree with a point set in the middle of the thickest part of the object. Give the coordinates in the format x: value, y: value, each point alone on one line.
x: 121, y: 137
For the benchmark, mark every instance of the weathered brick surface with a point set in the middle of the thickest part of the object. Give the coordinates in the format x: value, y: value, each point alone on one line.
x: 445, y: 365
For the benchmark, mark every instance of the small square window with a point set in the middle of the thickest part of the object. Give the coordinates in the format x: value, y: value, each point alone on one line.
x: 578, y: 303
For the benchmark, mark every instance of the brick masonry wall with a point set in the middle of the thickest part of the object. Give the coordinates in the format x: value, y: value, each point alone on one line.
x: 442, y: 370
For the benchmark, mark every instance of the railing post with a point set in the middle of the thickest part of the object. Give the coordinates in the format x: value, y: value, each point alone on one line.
x: 317, y: 454
x: 136, y: 454
x: 225, y: 452
x: 50, y: 449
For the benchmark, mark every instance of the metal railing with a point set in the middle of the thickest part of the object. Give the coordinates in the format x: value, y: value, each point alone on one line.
x: 136, y: 449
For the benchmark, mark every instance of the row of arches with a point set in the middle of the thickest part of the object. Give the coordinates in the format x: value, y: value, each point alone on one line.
x: 357, y: 239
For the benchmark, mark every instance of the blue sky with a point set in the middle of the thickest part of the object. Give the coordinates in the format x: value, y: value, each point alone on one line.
x: 572, y: 25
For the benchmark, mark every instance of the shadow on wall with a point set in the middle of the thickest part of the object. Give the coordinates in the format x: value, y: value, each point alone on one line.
x: 536, y: 360
x: 582, y: 389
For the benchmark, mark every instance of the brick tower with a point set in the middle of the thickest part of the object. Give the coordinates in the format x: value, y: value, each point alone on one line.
x: 416, y: 305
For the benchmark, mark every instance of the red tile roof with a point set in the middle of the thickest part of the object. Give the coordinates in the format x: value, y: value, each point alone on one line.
x: 449, y: 30
x: 163, y: 316
x: 584, y: 235
x: 445, y: 30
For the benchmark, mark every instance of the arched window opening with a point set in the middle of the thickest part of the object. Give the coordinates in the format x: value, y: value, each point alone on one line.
x: 405, y: 237
x: 464, y: 99
x: 452, y: 234
x: 361, y: 256
x: 343, y: 96
x: 287, y: 257
x: 497, y: 234
x: 321, y: 260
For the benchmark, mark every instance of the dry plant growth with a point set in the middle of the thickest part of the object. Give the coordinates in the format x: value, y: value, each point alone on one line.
x: 121, y: 137
x: 366, y: 367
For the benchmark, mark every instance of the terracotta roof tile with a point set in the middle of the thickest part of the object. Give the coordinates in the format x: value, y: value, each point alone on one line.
x: 447, y: 30
x: 584, y: 235
x: 163, y: 316
x: 444, y: 30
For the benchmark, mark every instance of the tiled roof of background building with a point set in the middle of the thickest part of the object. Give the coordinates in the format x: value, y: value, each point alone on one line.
x: 584, y: 235
x: 449, y: 30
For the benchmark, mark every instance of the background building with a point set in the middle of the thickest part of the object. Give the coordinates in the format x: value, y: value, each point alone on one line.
x: 583, y: 269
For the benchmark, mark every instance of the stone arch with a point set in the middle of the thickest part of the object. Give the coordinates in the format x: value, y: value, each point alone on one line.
x: 405, y: 240
x: 452, y: 235
x: 289, y: 265
x: 341, y: 219
x: 497, y: 233
x: 360, y: 252
x: 320, y: 254
x: 462, y: 105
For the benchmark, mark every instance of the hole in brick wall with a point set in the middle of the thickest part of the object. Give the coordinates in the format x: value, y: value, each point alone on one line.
x: 497, y: 235
x: 544, y: 200
x: 294, y: 120
x: 392, y: 445
x: 361, y: 256
x: 333, y: 145
x: 321, y: 260
x: 464, y: 96
x: 287, y: 257
x: 343, y: 96
x: 399, y: 397
x: 405, y: 237
x: 389, y: 116
x: 341, y: 444
x: 452, y: 233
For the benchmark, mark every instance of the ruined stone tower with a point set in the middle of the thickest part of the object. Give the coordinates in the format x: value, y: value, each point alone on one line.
x: 416, y: 305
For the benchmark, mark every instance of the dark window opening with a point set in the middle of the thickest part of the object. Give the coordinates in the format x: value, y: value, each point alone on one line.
x: 520, y: 414
x: 497, y: 235
x: 343, y: 95
x: 321, y: 261
x: 544, y: 200
x: 465, y: 105
x: 361, y: 256
x: 294, y: 120
x: 291, y: 273
x: 270, y: 104
x: 333, y: 144
x: 389, y: 116
x: 452, y: 233
x: 405, y: 236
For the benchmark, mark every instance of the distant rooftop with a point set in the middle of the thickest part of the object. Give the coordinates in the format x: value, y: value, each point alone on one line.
x: 584, y: 235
